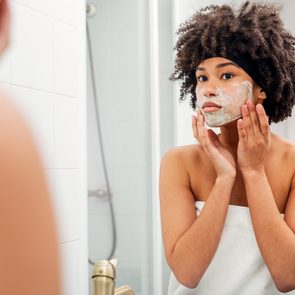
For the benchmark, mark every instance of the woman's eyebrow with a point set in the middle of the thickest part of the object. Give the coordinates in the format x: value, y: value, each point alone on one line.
x: 219, y: 66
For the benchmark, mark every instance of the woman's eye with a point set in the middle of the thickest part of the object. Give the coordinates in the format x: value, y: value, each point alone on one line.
x: 227, y: 76
x: 202, y: 78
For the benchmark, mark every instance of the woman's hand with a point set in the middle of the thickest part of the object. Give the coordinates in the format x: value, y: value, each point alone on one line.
x: 254, y: 137
x: 221, y: 159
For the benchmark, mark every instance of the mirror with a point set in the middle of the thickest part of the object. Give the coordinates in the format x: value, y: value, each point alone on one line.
x: 120, y: 174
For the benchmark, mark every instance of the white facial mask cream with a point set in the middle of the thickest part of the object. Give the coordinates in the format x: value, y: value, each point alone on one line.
x: 229, y: 101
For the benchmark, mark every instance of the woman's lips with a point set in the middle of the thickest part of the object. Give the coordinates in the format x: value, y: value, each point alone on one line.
x: 211, y: 109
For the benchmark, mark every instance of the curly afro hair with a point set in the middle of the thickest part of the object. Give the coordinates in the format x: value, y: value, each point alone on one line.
x: 255, y: 31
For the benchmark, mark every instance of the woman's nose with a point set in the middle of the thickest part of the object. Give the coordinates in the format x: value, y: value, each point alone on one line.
x: 209, y: 91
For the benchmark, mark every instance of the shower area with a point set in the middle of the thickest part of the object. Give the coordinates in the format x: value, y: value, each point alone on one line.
x: 121, y: 136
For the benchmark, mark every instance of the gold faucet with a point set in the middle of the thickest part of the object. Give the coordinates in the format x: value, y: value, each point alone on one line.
x: 104, y: 277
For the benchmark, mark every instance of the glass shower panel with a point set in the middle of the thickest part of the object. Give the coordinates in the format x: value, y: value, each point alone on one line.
x: 118, y: 32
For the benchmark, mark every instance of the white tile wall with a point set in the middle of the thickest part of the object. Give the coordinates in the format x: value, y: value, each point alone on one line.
x: 166, y: 96
x: 102, y: 53
x: 5, y: 61
x: 104, y: 89
x: 67, y: 200
x: 97, y: 206
x: 290, y: 128
x: 103, y: 19
x: 31, y: 48
x: 43, y: 6
x: 65, y: 132
x: 130, y: 191
x: 125, y: 14
x: 165, y: 45
x: 37, y: 107
x: 44, y: 71
x: 68, y: 11
x: 125, y: 103
x: 167, y: 103
x: 70, y: 269
x: 126, y: 60
x: 95, y: 157
x: 100, y: 235
x: 165, y: 12
x: 136, y: 275
x: 130, y: 144
x: 133, y: 238
x: 65, y: 58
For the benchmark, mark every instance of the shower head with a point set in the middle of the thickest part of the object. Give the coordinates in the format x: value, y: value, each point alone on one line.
x: 90, y: 10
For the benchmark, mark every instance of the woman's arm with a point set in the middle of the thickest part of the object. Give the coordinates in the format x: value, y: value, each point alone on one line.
x: 190, y: 242
x: 274, y: 236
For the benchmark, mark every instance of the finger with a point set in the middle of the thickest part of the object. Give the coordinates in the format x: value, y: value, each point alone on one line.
x: 241, y: 130
x: 200, y: 128
x: 253, y: 118
x: 246, y: 120
x: 214, y: 138
x: 263, y: 120
x: 195, y: 127
x: 202, y: 131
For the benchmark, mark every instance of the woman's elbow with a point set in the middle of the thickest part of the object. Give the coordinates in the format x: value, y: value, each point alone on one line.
x: 185, y: 273
x: 189, y: 280
x: 285, y: 285
x: 285, y: 288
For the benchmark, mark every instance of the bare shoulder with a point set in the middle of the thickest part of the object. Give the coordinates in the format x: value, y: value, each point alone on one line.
x: 180, y: 162
x: 282, y: 158
x: 284, y: 148
x: 183, y: 154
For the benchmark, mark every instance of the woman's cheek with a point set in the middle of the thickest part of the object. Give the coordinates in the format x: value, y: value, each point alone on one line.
x: 236, y: 98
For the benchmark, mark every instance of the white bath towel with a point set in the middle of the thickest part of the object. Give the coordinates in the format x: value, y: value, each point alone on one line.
x: 237, y: 267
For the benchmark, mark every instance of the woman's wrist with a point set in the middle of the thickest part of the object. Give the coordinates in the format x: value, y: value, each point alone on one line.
x: 253, y: 171
x: 223, y: 187
x: 225, y: 179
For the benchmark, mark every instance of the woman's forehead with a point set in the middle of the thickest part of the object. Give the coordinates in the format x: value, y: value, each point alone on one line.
x: 213, y: 61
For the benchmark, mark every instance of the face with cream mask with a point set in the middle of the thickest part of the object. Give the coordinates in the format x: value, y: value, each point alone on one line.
x: 222, y: 88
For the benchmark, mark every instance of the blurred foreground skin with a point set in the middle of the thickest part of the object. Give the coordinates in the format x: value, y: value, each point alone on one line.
x: 28, y: 248
x: 28, y: 243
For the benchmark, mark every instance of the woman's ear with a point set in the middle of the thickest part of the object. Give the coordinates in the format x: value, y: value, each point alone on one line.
x: 259, y: 94
x: 262, y: 94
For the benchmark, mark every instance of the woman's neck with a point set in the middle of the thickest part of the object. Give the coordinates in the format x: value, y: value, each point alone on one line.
x: 229, y: 136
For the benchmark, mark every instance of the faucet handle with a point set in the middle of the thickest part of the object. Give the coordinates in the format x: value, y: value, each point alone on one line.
x: 124, y: 290
x: 104, y: 268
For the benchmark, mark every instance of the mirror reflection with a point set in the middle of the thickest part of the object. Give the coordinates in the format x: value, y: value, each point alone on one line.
x: 123, y: 218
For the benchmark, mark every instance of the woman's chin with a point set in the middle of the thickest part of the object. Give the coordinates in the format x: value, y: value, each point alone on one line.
x: 223, y: 122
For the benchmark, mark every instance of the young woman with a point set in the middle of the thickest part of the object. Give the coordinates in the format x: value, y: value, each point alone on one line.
x: 228, y: 202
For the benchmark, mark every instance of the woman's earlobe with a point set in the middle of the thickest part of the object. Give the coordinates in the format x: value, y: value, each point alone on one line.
x: 262, y: 95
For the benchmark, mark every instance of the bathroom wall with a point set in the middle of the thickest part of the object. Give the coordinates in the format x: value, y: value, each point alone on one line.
x: 44, y: 72
x: 167, y: 103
